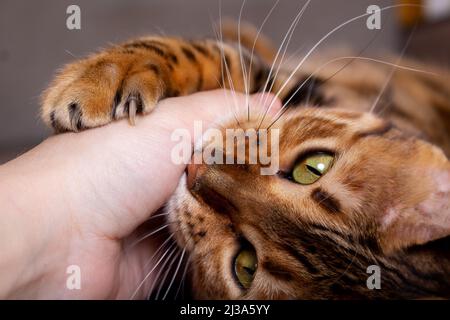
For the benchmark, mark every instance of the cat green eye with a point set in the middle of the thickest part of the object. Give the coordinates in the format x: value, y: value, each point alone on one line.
x: 311, y: 168
x: 245, y: 265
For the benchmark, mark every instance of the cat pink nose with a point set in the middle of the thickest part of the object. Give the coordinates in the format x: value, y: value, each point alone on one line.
x: 192, y: 172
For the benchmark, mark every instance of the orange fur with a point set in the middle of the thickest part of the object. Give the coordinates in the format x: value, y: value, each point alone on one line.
x: 385, y: 201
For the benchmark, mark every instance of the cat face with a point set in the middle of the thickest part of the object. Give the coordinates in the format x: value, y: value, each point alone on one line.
x: 351, y: 192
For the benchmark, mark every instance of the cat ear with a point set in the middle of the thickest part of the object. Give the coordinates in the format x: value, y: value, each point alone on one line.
x: 422, y: 211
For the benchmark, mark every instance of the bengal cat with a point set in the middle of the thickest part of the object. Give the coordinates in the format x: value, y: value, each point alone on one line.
x: 364, y: 176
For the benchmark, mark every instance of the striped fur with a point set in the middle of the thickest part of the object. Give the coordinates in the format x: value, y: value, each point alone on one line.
x: 384, y: 202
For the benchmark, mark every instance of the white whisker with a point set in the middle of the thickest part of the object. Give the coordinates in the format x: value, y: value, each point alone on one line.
x: 221, y: 83
x: 148, y: 235
x: 153, y: 269
x: 294, y: 55
x: 283, y: 108
x: 166, y: 274
x: 325, y: 37
x: 225, y: 65
x: 241, y: 59
x: 157, y: 251
x: 175, y: 274
x: 275, y: 61
x: 158, y: 215
x: 183, y: 277
x: 161, y: 269
x: 290, y: 33
x: 253, y: 48
x: 391, y: 73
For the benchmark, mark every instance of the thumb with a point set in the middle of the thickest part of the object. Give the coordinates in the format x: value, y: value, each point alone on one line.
x: 212, y: 106
x: 145, y: 175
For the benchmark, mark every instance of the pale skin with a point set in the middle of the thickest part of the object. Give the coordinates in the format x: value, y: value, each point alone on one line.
x: 77, y: 199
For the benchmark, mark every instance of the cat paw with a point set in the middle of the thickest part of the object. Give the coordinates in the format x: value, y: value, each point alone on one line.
x: 97, y: 90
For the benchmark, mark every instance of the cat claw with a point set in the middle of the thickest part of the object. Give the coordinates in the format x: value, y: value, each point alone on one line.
x: 132, y: 110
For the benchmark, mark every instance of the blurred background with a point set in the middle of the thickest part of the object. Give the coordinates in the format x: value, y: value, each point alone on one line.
x: 35, y: 42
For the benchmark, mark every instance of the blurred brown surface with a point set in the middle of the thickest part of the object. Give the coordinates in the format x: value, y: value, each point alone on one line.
x: 431, y: 43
